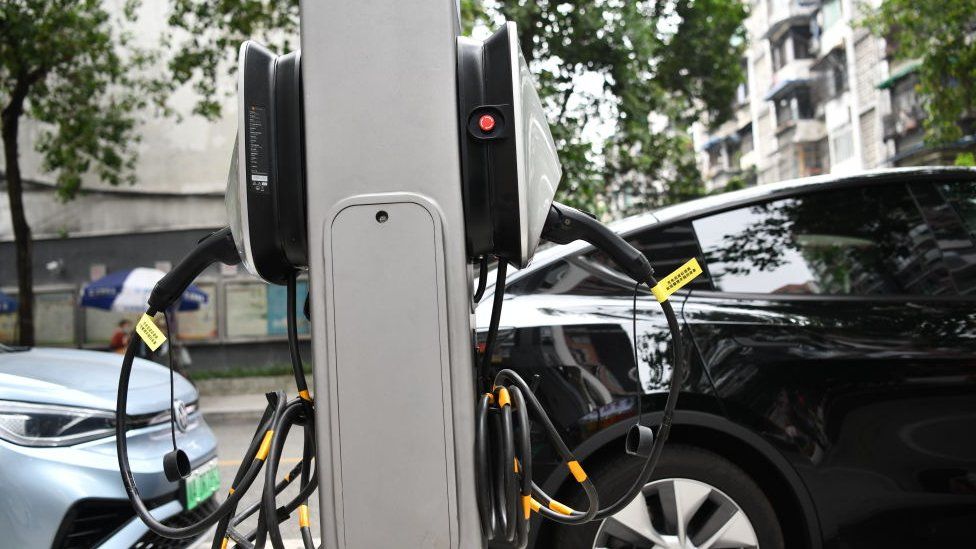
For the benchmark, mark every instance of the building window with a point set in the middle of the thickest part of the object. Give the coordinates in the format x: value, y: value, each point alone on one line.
x: 795, y: 105
x: 832, y: 13
x: 734, y: 149
x: 745, y: 135
x: 810, y: 159
x: 742, y: 91
x: 802, y: 38
x: 714, y: 156
x: 780, y: 57
x: 797, y: 40
x: 842, y: 145
x: 837, y: 75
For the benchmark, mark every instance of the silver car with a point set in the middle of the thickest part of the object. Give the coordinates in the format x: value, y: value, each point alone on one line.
x: 59, y: 478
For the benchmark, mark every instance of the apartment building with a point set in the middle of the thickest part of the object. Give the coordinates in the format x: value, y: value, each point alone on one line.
x: 822, y: 95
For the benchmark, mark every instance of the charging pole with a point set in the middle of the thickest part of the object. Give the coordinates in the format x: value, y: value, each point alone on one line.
x: 389, y: 280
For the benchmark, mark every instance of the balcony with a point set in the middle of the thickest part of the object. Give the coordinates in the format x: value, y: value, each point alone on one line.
x: 785, y: 13
x: 902, y: 123
x: 804, y: 130
x: 795, y: 70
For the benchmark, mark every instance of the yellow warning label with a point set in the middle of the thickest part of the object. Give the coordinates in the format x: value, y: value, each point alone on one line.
x: 676, y: 280
x: 149, y: 332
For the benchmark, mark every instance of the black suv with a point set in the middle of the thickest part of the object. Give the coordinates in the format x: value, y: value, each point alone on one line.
x: 832, y: 342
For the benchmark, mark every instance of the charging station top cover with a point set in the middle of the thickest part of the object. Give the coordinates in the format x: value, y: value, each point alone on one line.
x: 265, y: 194
x: 510, y: 166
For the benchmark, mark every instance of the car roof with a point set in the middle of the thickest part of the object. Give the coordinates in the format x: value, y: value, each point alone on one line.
x: 734, y: 199
x: 760, y: 193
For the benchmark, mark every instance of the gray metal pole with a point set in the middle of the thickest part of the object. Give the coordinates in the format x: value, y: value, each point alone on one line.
x: 389, y: 282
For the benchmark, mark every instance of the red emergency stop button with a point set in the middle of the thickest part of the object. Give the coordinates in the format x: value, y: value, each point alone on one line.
x: 486, y: 123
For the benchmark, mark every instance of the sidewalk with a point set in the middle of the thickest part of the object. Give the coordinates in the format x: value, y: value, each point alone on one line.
x: 241, y: 398
x: 233, y: 407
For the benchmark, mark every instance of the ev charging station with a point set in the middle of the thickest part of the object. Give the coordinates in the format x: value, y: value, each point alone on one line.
x: 386, y: 159
x: 390, y: 283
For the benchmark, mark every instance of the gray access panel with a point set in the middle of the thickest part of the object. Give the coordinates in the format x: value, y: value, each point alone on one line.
x: 390, y: 301
x: 389, y: 391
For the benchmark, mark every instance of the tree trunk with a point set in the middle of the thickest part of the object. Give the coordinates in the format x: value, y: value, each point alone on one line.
x: 22, y: 232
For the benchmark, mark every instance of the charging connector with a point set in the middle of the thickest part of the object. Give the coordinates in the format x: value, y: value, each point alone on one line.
x: 506, y: 493
x: 566, y: 224
x: 266, y: 445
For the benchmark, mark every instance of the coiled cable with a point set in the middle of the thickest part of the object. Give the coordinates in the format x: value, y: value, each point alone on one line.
x: 265, y: 447
x: 506, y: 493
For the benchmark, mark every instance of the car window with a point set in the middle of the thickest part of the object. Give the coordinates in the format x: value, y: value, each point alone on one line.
x: 593, y: 273
x: 950, y: 210
x: 565, y: 277
x: 857, y: 241
x: 667, y: 248
x: 962, y: 198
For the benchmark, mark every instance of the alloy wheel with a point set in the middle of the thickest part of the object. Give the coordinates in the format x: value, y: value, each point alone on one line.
x: 678, y: 513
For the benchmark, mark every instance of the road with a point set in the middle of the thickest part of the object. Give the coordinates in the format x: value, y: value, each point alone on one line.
x: 233, y: 437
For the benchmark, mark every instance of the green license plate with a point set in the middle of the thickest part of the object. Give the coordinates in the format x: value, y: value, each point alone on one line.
x: 201, y: 484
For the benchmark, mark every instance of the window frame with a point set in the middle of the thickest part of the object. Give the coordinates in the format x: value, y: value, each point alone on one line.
x: 932, y: 175
x: 893, y: 179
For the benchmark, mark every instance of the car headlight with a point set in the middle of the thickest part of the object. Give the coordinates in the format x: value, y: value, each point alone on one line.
x: 49, y: 425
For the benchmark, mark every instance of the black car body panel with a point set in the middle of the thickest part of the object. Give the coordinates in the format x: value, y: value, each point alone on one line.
x: 832, y: 343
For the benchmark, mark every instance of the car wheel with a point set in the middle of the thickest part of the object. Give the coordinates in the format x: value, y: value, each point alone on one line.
x: 696, y: 499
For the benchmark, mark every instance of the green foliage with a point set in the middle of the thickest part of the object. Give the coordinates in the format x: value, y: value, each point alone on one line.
x: 472, y: 13
x: 965, y: 159
x: 622, y: 81
x: 940, y: 34
x: 66, y: 65
x: 206, y: 36
x: 739, y: 181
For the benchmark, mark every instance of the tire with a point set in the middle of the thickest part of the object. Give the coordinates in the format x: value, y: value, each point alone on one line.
x: 693, y: 472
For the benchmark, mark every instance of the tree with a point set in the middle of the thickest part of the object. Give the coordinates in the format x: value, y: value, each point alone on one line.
x: 644, y: 72
x: 207, y: 36
x: 939, y: 33
x: 622, y: 81
x: 66, y: 65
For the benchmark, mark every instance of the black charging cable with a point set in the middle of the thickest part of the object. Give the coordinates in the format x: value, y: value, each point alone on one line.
x: 506, y: 493
x: 265, y: 446
x: 482, y: 280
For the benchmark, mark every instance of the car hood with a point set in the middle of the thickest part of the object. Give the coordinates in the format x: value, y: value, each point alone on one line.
x: 72, y: 377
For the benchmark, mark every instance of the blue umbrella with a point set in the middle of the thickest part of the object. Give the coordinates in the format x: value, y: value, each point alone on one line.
x: 128, y: 292
x: 7, y: 304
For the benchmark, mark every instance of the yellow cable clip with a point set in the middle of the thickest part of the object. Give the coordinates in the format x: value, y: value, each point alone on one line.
x: 560, y: 508
x: 577, y: 470
x: 503, y: 398
x: 304, y: 394
x: 303, y: 516
x: 265, y: 446
x: 527, y: 506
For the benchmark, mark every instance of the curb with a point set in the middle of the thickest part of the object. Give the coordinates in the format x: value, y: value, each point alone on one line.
x: 217, y: 416
x: 237, y: 399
